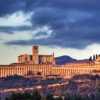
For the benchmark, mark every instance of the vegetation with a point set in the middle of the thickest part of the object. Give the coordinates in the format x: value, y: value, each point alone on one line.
x: 25, y: 96
x: 35, y: 95
x: 72, y: 90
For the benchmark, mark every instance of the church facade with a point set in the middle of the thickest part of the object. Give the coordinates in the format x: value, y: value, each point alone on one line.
x: 35, y: 58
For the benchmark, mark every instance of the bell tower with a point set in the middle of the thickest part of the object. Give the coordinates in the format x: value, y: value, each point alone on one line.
x: 35, y: 57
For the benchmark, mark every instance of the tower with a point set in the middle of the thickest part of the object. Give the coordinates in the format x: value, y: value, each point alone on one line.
x: 35, y: 57
x: 53, y: 59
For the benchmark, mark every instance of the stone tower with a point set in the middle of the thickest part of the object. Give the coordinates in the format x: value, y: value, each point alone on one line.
x: 35, y: 56
x: 54, y: 62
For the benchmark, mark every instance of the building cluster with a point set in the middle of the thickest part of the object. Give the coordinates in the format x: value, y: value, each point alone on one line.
x: 35, y: 58
x: 46, y: 65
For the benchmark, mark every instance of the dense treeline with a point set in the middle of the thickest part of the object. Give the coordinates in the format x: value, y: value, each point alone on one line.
x: 35, y: 95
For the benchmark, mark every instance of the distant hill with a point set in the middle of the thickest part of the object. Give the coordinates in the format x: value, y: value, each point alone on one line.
x: 64, y: 59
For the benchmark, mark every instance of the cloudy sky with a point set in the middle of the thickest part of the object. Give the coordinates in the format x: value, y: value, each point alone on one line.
x: 66, y: 27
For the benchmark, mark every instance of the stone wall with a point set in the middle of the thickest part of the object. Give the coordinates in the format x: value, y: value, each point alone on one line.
x: 65, y: 71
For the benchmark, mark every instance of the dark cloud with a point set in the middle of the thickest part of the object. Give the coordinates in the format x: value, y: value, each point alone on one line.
x: 10, y: 29
x: 75, y: 23
x: 11, y: 6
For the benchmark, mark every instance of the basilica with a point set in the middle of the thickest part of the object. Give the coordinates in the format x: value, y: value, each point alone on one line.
x: 46, y: 65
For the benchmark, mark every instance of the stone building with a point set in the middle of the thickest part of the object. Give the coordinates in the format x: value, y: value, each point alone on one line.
x: 45, y: 64
x: 35, y: 58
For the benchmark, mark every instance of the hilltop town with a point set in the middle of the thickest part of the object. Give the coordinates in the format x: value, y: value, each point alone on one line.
x: 46, y: 65
x: 41, y: 72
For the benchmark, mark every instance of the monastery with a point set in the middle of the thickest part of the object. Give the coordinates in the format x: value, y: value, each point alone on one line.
x: 46, y: 65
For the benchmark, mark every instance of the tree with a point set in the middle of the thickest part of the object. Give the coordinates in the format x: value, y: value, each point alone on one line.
x: 58, y: 98
x: 49, y: 97
x: 25, y: 96
x: 90, y: 59
x: 36, y: 95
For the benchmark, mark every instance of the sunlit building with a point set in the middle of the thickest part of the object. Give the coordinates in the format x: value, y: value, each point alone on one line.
x: 46, y: 65
x: 35, y: 58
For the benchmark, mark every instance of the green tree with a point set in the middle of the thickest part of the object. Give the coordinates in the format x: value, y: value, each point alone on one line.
x: 49, y: 97
x: 36, y: 95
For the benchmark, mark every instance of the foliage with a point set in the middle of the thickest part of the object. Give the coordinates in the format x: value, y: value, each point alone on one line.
x: 35, y: 95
